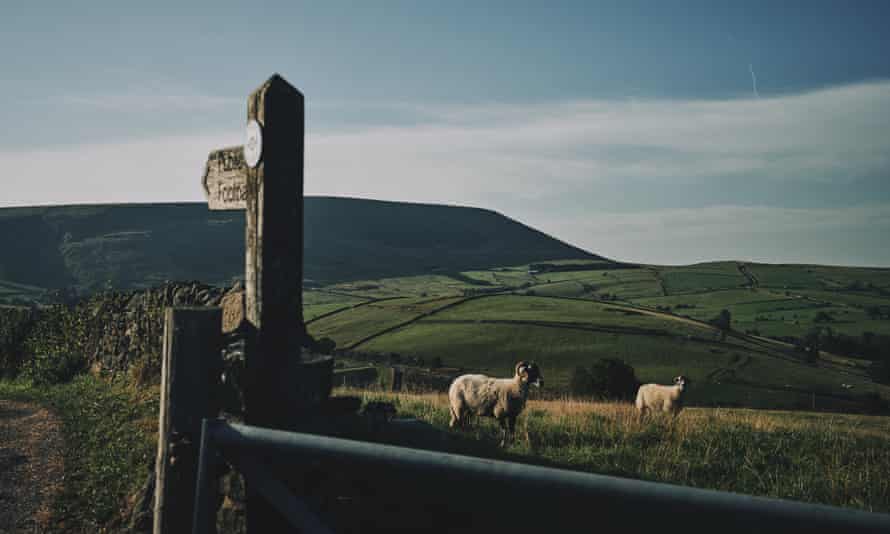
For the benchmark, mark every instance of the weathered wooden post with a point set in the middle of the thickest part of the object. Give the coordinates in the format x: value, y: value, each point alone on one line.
x: 274, y: 249
x: 189, y: 375
x: 265, y: 177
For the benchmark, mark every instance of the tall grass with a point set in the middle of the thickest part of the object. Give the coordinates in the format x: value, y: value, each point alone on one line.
x: 832, y: 459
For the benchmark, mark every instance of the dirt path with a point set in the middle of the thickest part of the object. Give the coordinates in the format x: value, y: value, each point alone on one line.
x: 31, y: 468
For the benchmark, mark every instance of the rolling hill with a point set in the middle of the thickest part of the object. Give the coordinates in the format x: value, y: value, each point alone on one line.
x: 96, y: 247
x: 477, y: 290
x: 654, y: 318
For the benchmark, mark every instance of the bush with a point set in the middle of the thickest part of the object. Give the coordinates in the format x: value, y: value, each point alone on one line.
x: 607, y: 378
x: 581, y: 383
x: 613, y: 379
x: 810, y: 345
x: 15, y: 323
x: 823, y: 317
x: 54, y: 348
x: 874, y: 404
x: 880, y: 370
x: 723, y: 320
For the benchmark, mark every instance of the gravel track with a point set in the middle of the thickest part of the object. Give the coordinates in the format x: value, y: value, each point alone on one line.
x: 31, y: 467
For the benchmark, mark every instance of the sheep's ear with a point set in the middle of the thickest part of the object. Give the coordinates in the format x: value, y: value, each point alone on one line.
x: 521, y: 367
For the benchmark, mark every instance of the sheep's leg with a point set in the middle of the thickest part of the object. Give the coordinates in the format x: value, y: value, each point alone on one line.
x: 455, y: 418
x: 675, y: 412
x: 508, y: 424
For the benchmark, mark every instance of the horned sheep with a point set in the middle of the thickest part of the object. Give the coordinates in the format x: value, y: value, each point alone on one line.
x: 658, y: 398
x: 501, y: 398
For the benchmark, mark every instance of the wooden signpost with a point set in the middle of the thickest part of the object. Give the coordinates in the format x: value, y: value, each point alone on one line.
x: 265, y: 178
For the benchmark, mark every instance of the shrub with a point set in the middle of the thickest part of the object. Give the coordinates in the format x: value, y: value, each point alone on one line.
x: 607, y: 378
x: 823, y: 317
x: 810, y: 346
x: 874, y: 404
x: 55, y: 347
x: 581, y: 383
x: 15, y: 324
x: 613, y: 379
x: 880, y: 370
x: 723, y: 320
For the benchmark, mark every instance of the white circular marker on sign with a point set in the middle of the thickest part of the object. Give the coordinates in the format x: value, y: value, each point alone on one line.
x: 253, y: 147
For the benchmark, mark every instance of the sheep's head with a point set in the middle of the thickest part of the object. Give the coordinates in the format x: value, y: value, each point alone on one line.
x: 530, y: 373
x: 681, y: 381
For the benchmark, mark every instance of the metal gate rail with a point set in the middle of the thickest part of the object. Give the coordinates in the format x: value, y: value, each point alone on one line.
x: 568, y: 493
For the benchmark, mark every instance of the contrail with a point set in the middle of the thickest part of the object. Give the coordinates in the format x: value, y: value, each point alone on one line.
x: 753, y: 79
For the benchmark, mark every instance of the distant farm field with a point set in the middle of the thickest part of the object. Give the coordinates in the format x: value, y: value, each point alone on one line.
x: 655, y: 319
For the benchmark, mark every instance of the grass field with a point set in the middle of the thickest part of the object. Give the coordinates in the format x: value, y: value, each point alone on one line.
x: 571, y: 319
x: 562, y: 320
x: 356, y: 324
x: 702, y: 277
x: 110, y: 430
x: 835, y: 459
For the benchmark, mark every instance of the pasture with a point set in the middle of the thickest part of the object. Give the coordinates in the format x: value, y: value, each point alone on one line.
x: 491, y: 333
x: 830, y: 459
x: 654, y: 318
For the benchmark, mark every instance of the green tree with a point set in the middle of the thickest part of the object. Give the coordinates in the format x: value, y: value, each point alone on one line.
x: 823, y: 317
x: 810, y: 345
x: 581, y: 383
x: 612, y: 378
x: 722, y: 320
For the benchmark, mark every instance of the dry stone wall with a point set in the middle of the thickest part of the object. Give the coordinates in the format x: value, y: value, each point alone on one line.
x: 111, y: 332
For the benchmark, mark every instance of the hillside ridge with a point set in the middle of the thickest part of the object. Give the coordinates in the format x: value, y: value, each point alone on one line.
x: 92, y: 247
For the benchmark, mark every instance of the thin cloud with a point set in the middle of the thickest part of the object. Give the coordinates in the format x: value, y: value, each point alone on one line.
x: 501, y: 156
x: 830, y: 135
x: 843, y: 236
x: 150, y: 102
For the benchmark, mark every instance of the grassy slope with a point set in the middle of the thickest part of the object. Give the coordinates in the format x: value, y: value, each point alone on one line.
x: 832, y: 459
x: 491, y: 333
x: 835, y: 459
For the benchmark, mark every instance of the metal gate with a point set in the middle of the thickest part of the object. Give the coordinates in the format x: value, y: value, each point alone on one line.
x: 505, y: 494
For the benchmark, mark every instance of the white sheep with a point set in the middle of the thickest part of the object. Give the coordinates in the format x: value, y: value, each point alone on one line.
x: 501, y: 398
x: 658, y: 398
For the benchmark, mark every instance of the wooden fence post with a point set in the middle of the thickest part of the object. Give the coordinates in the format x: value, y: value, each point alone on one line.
x: 190, y: 370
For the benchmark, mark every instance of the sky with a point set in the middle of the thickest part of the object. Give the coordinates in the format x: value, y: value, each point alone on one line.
x: 657, y: 132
